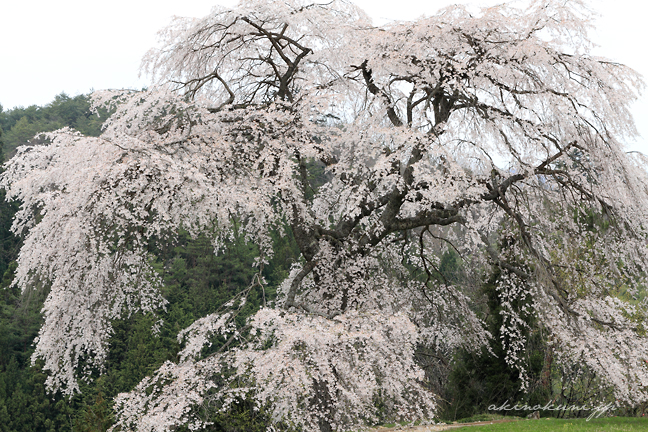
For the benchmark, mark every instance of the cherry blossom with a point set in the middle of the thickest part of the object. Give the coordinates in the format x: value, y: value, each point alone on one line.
x: 496, y: 135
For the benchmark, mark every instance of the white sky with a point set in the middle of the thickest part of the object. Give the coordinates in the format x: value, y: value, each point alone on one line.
x: 72, y: 46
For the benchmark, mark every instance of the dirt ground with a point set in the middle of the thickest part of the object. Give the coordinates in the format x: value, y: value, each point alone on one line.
x: 435, y: 428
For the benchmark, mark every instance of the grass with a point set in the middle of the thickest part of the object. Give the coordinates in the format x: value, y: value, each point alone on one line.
x: 608, y: 424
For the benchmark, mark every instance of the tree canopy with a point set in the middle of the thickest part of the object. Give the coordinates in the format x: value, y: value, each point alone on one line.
x: 496, y: 135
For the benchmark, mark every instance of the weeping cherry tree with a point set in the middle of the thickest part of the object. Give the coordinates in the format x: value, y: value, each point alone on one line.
x: 492, y: 133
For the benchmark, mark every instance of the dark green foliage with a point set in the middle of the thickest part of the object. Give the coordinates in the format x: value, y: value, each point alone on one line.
x: 95, y: 417
x: 286, y: 253
x: 316, y: 176
x: 134, y: 353
x: 479, y: 380
x: 24, y: 403
x: 22, y: 124
x: 9, y: 244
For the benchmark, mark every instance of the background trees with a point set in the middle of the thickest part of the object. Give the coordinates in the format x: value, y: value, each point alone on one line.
x: 21, y: 125
x: 495, y: 136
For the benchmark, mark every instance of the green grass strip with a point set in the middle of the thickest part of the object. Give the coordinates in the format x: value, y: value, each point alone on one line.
x: 609, y: 424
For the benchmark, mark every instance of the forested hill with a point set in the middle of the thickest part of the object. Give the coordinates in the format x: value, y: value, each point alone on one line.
x: 20, y: 125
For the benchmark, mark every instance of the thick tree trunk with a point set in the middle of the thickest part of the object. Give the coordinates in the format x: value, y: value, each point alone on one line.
x: 322, y: 404
x: 546, y: 370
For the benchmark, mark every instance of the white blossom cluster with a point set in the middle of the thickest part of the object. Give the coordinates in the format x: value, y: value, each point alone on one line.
x: 304, y: 367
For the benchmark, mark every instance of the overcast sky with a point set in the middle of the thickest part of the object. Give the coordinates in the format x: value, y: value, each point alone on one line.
x: 72, y: 46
